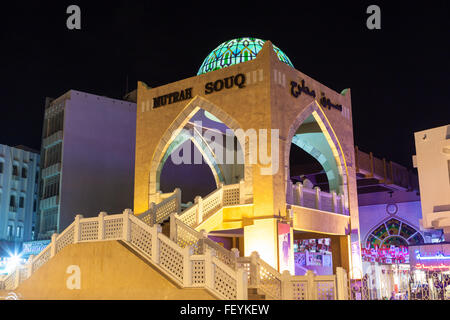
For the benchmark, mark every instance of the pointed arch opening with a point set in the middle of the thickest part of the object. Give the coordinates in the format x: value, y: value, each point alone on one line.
x: 203, y: 135
x: 314, y: 156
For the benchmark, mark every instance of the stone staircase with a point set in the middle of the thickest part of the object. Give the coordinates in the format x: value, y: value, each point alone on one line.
x: 191, y: 263
x: 254, y: 295
x: 168, y: 239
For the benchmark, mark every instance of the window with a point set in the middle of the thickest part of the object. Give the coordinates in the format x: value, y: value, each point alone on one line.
x: 21, y: 202
x: 36, y: 179
x: 50, y: 219
x: 51, y: 187
x: 34, y: 205
x: 15, y: 171
x: 53, y: 155
x: 54, y: 124
x: 10, y: 232
x: 18, y: 232
x: 24, y: 173
x: 1, y: 167
x: 12, y: 201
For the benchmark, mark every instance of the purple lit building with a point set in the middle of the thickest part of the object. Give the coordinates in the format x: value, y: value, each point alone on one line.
x: 87, y: 158
x: 389, y: 215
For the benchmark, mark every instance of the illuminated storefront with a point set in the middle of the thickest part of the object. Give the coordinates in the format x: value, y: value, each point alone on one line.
x: 390, y: 213
x: 314, y: 255
x: 397, y: 261
x: 430, y: 271
x: 386, y: 257
x: 298, y: 172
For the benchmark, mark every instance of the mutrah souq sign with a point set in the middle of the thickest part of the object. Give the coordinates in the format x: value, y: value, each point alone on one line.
x: 298, y: 88
x: 210, y: 87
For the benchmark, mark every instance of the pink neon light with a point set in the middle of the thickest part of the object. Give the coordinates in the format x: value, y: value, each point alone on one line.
x: 422, y: 266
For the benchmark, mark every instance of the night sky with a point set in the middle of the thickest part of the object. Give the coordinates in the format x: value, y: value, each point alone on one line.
x: 399, y: 75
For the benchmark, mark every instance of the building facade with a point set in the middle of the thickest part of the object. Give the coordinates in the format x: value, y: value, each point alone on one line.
x: 390, y: 212
x: 19, y: 174
x: 87, y: 159
x: 390, y: 204
x: 250, y: 87
x: 432, y: 160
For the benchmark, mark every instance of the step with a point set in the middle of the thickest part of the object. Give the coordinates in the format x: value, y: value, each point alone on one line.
x: 254, y: 295
x: 165, y: 228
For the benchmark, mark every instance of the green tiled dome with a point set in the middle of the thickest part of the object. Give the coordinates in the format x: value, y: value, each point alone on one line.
x: 236, y: 51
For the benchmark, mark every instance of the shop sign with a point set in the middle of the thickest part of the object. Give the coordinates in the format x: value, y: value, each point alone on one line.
x: 326, y: 103
x: 432, y: 267
x: 438, y: 256
x: 390, y: 255
x: 34, y: 247
x: 172, y: 97
x: 226, y: 83
x: 297, y: 89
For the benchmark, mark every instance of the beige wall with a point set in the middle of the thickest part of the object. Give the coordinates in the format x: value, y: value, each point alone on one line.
x: 320, y: 221
x: 433, y: 165
x: 109, y: 270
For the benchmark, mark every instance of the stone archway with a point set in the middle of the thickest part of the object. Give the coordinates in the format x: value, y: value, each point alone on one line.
x: 180, y: 121
x: 316, y: 111
x: 199, y: 143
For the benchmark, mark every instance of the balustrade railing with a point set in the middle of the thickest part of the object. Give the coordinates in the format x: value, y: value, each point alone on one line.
x: 158, y: 212
x: 386, y: 171
x: 207, y: 268
x: 188, y: 256
x: 203, y: 208
x: 317, y: 199
x: 184, y: 236
x: 284, y: 286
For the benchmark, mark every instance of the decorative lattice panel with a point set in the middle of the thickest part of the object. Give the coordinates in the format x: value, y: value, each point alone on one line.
x: 227, y: 257
x: 325, y: 290
x: 189, y: 216
x: 171, y: 260
x: 141, y: 238
x: 299, y: 290
x: 43, y: 258
x: 211, y: 204
x: 113, y: 228
x: 164, y: 211
x: 269, y: 282
x: 10, y: 281
x: 246, y: 267
x: 224, y: 283
x: 186, y: 237
x: 23, y: 274
x: 88, y: 230
x: 224, y: 255
x: 148, y: 218
x: 231, y: 196
x: 198, y: 272
x: 65, y: 239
